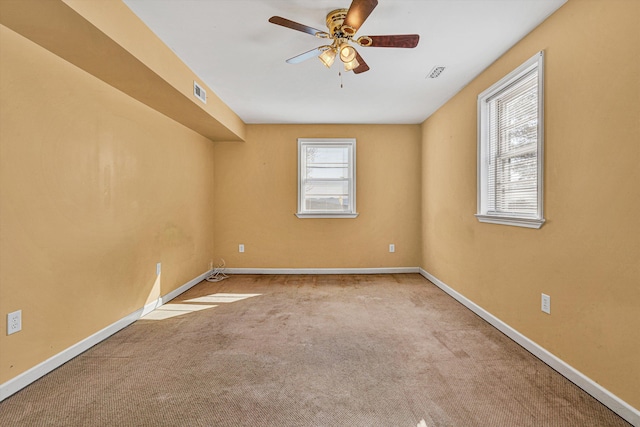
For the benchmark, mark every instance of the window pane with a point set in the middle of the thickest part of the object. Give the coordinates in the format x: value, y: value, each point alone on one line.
x: 327, y: 172
x: 518, y: 168
x: 326, y: 176
x: 525, y: 133
x: 328, y: 155
x: 326, y: 188
x: 517, y: 115
x: 510, y: 141
x: 516, y: 188
x: 329, y: 204
x: 513, y: 138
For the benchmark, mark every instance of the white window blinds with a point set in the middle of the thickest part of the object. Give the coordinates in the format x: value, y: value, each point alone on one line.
x: 510, y: 148
x: 513, y: 136
x: 326, y: 177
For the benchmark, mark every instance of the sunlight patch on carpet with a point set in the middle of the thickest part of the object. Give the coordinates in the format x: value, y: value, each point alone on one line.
x: 222, y: 298
x: 168, y: 311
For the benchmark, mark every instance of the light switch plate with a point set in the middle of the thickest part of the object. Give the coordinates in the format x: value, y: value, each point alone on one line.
x: 546, y: 304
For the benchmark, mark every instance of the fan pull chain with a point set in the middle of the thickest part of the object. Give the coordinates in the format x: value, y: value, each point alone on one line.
x: 340, y: 75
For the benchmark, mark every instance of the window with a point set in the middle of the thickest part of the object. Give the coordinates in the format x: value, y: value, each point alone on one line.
x: 510, y: 156
x: 326, y: 178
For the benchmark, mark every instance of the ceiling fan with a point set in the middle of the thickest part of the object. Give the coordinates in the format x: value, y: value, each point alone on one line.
x: 343, y: 25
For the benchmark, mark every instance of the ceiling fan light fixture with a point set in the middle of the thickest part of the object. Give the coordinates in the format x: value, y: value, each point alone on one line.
x: 347, y: 53
x: 327, y: 57
x: 348, y: 66
x: 343, y: 24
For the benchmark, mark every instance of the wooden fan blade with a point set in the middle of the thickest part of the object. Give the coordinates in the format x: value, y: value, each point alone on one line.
x: 362, y: 67
x: 358, y: 12
x: 278, y: 20
x: 304, y: 56
x: 398, y: 40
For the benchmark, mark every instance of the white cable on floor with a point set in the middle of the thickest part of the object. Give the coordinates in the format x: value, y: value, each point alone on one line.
x: 217, y: 274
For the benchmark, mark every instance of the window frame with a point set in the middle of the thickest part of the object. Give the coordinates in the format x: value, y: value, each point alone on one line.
x: 349, y: 143
x: 499, y: 89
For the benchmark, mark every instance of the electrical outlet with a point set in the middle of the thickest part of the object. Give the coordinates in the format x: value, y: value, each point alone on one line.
x: 158, y: 268
x: 546, y: 304
x: 240, y: 248
x: 392, y: 247
x: 14, y: 322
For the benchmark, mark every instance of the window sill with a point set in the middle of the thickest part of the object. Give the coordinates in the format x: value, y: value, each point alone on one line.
x: 326, y: 215
x: 506, y: 220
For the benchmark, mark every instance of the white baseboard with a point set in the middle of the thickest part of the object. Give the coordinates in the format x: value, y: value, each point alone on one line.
x: 619, y: 406
x: 148, y: 308
x: 382, y: 270
x: 21, y: 381
x: 182, y: 289
x: 613, y: 402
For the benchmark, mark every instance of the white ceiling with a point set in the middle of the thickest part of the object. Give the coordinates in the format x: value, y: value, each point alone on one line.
x: 233, y: 48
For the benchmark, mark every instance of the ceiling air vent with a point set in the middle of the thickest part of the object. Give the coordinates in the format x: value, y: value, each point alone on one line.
x: 435, y: 72
x: 199, y: 92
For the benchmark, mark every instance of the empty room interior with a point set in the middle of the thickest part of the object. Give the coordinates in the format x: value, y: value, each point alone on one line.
x: 142, y: 153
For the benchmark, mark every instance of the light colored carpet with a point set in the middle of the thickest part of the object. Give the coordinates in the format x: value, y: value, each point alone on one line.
x: 352, y: 350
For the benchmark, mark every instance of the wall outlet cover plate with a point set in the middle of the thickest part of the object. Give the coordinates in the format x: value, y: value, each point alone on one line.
x: 14, y: 322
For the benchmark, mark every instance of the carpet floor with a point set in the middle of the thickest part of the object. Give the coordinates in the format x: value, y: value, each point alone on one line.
x: 326, y: 350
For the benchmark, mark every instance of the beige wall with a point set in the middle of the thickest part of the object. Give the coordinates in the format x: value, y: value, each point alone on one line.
x: 107, y: 40
x: 587, y: 255
x: 256, y: 199
x: 96, y: 188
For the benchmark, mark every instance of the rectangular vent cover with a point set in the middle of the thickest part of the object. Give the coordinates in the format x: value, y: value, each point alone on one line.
x: 199, y: 92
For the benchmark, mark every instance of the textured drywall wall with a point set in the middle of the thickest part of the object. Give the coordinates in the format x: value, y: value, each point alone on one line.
x: 256, y: 200
x: 95, y: 189
x: 587, y: 255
